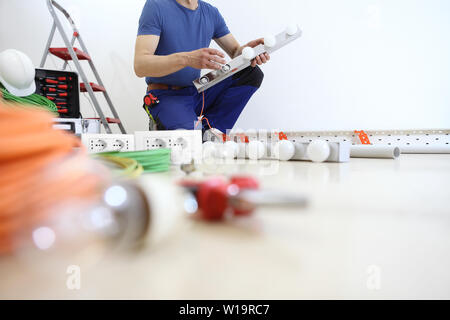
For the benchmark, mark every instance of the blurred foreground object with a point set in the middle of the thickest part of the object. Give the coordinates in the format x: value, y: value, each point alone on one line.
x: 216, y: 198
x: 40, y: 173
x: 54, y: 196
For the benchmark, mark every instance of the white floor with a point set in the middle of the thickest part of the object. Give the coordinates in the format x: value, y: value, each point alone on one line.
x: 373, y: 229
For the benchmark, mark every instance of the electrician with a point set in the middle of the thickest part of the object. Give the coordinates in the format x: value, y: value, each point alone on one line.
x: 172, y: 47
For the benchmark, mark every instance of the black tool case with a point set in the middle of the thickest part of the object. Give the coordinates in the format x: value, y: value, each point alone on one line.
x: 61, y: 87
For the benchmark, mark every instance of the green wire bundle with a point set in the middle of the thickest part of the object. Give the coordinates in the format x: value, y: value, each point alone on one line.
x: 157, y: 160
x: 33, y: 100
x: 124, y: 167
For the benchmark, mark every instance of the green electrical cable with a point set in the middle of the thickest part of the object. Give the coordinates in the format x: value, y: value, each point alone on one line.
x: 157, y: 160
x: 124, y: 166
x: 33, y: 100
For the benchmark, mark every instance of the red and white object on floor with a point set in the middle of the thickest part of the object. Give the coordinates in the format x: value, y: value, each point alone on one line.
x: 218, y: 198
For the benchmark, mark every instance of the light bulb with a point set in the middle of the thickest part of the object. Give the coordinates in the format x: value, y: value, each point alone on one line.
x: 270, y: 41
x: 248, y: 53
x: 318, y: 151
x: 284, y: 150
x: 255, y: 150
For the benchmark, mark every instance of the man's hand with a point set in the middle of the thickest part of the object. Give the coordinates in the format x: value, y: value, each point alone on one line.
x: 262, y: 58
x: 205, y: 58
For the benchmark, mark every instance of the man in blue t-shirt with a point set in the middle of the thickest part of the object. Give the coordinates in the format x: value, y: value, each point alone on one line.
x: 172, y: 47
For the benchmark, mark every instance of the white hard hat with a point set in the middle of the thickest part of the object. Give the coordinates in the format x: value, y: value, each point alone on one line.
x: 17, y: 73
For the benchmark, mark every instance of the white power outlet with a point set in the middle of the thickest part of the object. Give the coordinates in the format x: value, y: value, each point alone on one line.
x: 108, y: 142
x: 186, y: 145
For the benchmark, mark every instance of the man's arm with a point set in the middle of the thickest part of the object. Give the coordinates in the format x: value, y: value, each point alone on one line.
x: 147, y: 64
x: 232, y: 47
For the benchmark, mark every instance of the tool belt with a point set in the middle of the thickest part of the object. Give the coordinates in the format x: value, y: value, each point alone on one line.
x: 151, y: 101
x: 161, y: 86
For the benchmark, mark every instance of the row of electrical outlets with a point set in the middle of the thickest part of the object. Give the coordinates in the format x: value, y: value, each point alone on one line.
x: 186, y: 145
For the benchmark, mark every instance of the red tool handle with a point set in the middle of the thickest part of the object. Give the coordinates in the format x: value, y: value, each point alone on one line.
x: 244, y: 183
x: 64, y: 94
x: 51, y: 81
x: 51, y: 89
x: 212, y: 197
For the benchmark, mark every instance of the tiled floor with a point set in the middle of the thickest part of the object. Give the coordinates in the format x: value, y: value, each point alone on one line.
x: 373, y: 229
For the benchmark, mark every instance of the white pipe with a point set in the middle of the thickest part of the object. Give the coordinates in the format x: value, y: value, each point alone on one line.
x: 426, y: 149
x: 371, y: 151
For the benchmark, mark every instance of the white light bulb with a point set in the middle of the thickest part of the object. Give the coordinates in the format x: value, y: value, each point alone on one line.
x: 270, y: 41
x: 291, y: 29
x: 255, y: 150
x: 230, y: 150
x: 318, y: 151
x: 284, y: 150
x: 209, y: 150
x: 248, y: 53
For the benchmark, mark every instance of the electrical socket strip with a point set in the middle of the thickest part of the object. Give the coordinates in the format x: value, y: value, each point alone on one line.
x: 108, y: 142
x: 186, y: 145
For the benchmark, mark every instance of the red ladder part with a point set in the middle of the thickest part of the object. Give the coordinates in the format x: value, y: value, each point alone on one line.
x: 80, y: 53
x: 109, y: 120
x: 63, y: 53
x: 95, y: 87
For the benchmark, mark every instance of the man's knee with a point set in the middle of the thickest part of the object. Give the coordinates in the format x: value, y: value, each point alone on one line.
x: 250, y: 77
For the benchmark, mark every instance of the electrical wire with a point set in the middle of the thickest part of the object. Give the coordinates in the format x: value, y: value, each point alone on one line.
x: 201, y: 118
x: 128, y: 167
x: 155, y: 160
x: 40, y: 174
x: 34, y: 100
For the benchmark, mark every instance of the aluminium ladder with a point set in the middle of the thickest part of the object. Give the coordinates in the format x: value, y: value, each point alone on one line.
x: 74, y: 54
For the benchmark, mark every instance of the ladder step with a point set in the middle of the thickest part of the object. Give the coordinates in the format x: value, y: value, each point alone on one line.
x: 95, y: 87
x: 63, y: 53
x: 109, y: 120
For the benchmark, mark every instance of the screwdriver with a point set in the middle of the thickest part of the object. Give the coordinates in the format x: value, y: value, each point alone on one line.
x: 60, y: 86
x: 64, y: 94
x: 51, y: 98
x: 54, y: 90
x: 241, y: 195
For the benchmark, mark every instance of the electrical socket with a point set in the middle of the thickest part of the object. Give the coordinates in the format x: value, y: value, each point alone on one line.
x: 186, y: 145
x: 108, y: 142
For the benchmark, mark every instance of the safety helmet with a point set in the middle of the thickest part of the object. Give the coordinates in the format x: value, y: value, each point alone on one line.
x: 17, y: 73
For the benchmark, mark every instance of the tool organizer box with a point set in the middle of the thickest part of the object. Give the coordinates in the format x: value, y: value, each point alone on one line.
x: 61, y: 87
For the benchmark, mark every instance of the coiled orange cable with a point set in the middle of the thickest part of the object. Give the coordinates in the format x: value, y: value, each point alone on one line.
x: 40, y: 173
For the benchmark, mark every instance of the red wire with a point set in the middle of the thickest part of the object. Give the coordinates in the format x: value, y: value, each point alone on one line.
x: 201, y: 117
x: 201, y: 113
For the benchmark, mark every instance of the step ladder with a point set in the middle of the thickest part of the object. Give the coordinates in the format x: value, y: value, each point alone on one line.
x: 70, y: 53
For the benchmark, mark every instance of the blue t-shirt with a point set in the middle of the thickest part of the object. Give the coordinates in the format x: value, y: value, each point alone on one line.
x: 181, y: 30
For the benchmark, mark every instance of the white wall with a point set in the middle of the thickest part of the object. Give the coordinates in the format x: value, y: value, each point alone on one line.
x: 370, y: 64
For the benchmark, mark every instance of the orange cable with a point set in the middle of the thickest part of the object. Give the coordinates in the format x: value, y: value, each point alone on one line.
x: 201, y: 117
x: 41, y: 174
